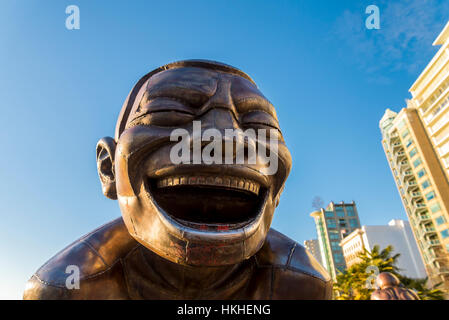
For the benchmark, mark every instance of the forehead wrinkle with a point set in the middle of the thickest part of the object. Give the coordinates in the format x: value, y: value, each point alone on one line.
x: 189, y: 76
x: 171, y: 89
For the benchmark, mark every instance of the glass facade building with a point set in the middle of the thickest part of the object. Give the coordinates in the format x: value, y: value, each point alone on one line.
x: 333, y: 223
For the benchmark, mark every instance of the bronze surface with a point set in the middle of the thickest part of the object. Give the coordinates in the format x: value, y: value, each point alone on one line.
x: 182, y: 240
x: 390, y: 288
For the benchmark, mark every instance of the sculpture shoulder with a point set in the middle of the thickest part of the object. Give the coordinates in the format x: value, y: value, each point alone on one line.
x: 97, y: 256
x: 294, y: 272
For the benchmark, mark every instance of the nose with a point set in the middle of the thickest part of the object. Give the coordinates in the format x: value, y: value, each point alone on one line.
x: 220, y: 119
x: 221, y: 101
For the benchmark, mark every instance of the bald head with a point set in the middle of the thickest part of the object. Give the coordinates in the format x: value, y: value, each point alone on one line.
x: 386, y: 280
x: 140, y: 87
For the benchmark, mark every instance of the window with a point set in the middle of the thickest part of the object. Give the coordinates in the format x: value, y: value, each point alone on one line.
x: 335, y: 245
x: 445, y: 233
x: 417, y: 162
x: 329, y: 214
x: 338, y: 258
x: 409, y: 142
x: 435, y: 208
x: 412, y: 152
x: 331, y: 223
x: 342, y: 222
x: 340, y: 212
x: 425, y: 184
x: 421, y: 173
x: 430, y: 195
x: 440, y: 220
x: 333, y: 235
x: 353, y: 223
x: 350, y: 211
x: 405, y: 133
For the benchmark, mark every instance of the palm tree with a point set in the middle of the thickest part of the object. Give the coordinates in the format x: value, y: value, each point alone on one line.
x: 343, y: 287
x: 424, y: 291
x: 354, y: 283
x: 382, y: 259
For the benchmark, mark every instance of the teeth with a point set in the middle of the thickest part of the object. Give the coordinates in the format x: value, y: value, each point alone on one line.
x: 221, y: 181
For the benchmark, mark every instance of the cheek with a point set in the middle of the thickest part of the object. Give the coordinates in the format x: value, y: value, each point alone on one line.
x: 159, y: 159
x: 133, y: 147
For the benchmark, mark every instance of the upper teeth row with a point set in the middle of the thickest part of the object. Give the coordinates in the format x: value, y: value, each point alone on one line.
x: 224, y: 181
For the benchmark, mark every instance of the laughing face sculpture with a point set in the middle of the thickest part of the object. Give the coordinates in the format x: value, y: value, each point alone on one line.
x: 191, y: 166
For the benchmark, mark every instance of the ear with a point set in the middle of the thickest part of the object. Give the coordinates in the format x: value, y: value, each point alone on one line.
x: 105, y: 166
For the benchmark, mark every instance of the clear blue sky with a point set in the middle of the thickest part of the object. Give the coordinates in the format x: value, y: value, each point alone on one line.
x: 329, y: 77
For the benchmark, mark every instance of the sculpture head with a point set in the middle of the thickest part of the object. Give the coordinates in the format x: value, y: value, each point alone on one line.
x: 198, y: 213
x: 387, y: 280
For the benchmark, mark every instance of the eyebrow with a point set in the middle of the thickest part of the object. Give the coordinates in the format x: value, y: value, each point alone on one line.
x: 255, y: 103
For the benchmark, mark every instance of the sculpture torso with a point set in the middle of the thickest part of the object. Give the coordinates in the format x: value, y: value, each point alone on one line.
x: 114, y: 266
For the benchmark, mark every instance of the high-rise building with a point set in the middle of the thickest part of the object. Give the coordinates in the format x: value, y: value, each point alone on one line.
x: 314, y: 248
x: 398, y: 234
x: 422, y: 185
x: 430, y: 97
x: 332, y: 225
x: 416, y: 143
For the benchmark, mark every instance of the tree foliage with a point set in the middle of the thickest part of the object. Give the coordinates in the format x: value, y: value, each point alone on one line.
x: 358, y: 281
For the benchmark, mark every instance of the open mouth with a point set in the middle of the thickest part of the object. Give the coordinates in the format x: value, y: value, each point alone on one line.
x: 214, y: 202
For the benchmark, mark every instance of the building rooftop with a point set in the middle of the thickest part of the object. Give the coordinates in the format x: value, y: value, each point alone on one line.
x: 440, y: 40
x: 387, y: 115
x: 443, y: 36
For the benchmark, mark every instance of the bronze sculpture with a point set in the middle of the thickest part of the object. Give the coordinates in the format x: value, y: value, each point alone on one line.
x: 188, y: 231
x: 390, y: 288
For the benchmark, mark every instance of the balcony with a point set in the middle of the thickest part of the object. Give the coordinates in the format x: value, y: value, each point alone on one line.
x: 418, y: 207
x: 394, y: 139
x: 396, y: 145
x: 423, y: 218
x: 443, y: 270
x: 411, y: 185
x: 415, y: 197
x: 433, y: 256
x: 399, y: 156
x: 404, y: 165
x: 406, y: 175
x: 440, y: 270
x: 426, y: 232
x: 428, y: 244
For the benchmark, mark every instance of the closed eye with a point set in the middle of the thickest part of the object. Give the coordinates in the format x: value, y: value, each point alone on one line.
x: 163, y: 104
x: 258, y: 117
